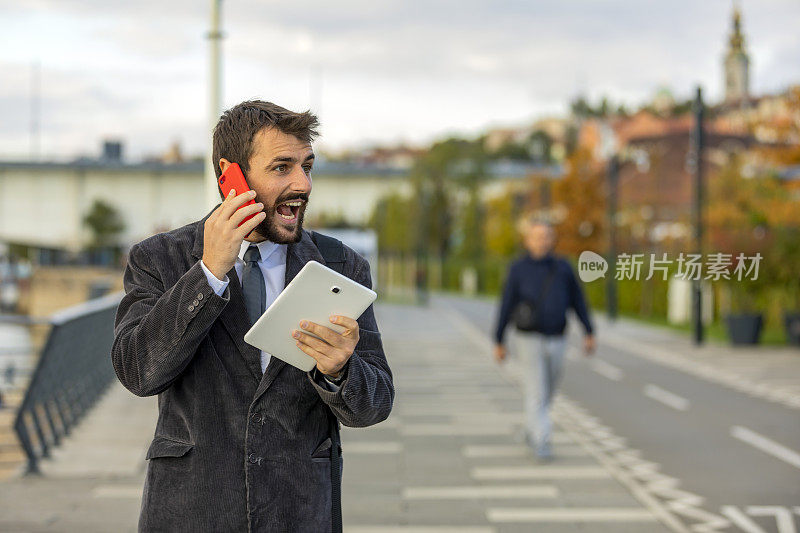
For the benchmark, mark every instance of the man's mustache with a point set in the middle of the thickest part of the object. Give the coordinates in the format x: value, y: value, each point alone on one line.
x: 302, y: 196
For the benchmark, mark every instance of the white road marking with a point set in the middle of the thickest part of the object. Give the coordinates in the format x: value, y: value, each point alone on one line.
x: 488, y: 418
x: 735, y: 515
x: 418, y: 529
x: 480, y: 492
x: 516, y: 451
x: 429, y: 430
x: 539, y: 472
x: 766, y: 445
x: 368, y: 447
x: 570, y: 514
x: 783, y: 516
x: 708, y: 371
x: 667, y: 398
x: 468, y: 328
x: 607, y: 370
x: 642, y: 478
x: 443, y: 410
x: 117, y: 491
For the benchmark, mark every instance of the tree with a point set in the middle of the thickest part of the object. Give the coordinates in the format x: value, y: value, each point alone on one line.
x: 448, y: 167
x: 502, y: 238
x: 105, y: 224
x: 393, y: 220
x: 756, y: 215
x: 580, y: 195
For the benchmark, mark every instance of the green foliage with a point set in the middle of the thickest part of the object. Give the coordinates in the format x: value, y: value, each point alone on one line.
x: 450, y: 166
x: 394, y: 221
x: 104, y: 222
x: 501, y: 236
x: 333, y: 221
x: 535, y: 148
x: 581, y: 108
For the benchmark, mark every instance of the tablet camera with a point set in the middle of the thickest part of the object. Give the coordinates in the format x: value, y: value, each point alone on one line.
x: 335, y: 290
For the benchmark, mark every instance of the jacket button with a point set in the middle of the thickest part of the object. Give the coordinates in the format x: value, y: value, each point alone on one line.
x: 190, y: 308
x: 199, y: 295
x: 253, y: 458
x: 255, y: 417
x: 196, y: 302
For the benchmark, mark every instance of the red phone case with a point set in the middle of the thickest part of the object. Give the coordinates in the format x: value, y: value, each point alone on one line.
x: 233, y: 178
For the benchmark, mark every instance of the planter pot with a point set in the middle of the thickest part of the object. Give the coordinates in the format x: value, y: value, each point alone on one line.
x: 744, y: 328
x: 791, y: 322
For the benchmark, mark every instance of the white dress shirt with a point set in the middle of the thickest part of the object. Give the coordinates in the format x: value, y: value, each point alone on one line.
x: 273, y: 267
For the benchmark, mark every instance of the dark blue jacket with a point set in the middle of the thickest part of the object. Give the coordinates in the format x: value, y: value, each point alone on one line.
x: 526, y: 277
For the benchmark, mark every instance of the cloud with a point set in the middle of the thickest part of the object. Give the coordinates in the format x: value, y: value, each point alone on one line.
x: 385, y: 70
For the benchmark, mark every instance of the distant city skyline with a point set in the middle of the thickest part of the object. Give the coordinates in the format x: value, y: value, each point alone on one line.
x: 375, y: 73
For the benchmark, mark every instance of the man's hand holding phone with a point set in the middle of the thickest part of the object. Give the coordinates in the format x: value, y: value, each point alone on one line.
x: 222, y: 235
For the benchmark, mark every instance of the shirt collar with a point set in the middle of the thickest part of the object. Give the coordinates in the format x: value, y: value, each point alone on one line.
x: 543, y: 259
x: 266, y: 248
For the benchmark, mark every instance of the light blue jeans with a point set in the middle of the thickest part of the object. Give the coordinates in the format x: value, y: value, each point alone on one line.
x: 543, y: 358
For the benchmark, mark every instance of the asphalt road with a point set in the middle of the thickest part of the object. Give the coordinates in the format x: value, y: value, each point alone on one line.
x: 740, y: 454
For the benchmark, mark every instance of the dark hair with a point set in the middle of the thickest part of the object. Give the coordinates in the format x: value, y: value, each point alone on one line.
x: 233, y: 134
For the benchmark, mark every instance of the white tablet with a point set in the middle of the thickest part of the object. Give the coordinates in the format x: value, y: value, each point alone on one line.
x: 316, y: 293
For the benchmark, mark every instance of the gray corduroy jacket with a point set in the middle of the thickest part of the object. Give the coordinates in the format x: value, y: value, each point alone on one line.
x: 233, y: 450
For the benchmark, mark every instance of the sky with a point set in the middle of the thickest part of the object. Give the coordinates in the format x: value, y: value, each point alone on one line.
x: 375, y: 72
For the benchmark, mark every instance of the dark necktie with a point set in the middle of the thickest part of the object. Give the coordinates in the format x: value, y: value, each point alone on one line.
x: 253, y: 286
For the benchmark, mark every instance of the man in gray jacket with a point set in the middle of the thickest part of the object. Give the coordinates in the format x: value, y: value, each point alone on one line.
x: 244, y: 441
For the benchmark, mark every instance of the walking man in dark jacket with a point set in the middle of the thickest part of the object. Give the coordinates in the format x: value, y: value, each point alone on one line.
x: 245, y: 442
x: 548, y: 282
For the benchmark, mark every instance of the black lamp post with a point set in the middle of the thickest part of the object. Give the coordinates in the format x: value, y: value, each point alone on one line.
x: 611, y: 282
x: 697, y: 211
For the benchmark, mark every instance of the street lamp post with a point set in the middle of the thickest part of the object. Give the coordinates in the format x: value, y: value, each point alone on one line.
x: 420, y: 273
x: 611, y: 282
x: 697, y: 211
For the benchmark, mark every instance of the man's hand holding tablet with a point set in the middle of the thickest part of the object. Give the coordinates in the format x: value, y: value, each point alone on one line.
x: 332, y: 352
x: 310, y: 323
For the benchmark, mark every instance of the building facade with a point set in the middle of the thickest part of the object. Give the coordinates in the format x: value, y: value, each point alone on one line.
x: 43, y: 205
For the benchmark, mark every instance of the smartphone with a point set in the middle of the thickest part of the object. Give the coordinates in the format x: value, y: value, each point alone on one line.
x: 233, y: 178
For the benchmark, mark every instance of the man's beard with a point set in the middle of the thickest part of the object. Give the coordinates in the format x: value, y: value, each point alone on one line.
x: 269, y: 227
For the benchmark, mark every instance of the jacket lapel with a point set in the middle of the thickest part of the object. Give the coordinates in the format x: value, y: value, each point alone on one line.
x: 297, y: 255
x: 234, y: 316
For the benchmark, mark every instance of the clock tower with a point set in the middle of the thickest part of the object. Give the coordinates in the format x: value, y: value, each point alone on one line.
x: 737, y: 64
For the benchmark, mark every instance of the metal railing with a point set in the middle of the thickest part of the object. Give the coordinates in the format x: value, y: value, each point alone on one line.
x: 73, y: 371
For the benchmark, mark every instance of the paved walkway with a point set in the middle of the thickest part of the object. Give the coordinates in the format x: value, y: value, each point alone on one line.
x: 449, y: 458
x: 93, y: 482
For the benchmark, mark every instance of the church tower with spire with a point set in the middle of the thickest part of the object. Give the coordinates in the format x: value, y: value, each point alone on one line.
x: 737, y: 64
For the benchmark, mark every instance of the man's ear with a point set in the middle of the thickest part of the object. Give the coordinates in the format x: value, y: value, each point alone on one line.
x: 223, y: 164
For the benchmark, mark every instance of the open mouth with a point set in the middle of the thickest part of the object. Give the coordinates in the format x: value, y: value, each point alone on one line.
x: 288, y: 210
